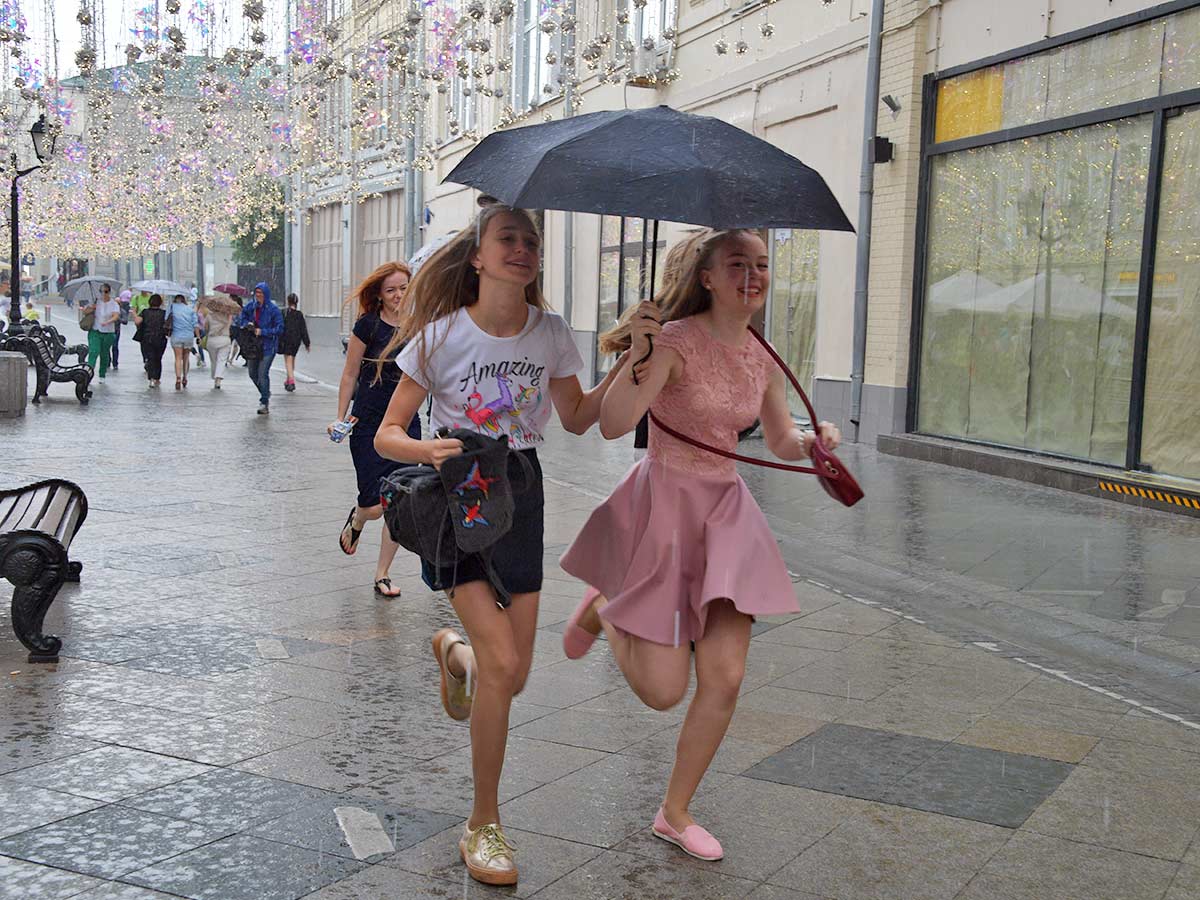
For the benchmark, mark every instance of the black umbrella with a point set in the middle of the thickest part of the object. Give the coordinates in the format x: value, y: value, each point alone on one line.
x: 655, y: 163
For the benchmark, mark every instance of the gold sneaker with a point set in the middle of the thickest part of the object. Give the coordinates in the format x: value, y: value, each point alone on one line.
x: 456, y: 697
x: 488, y: 854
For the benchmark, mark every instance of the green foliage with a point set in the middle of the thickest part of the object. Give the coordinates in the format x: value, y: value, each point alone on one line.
x: 259, y: 228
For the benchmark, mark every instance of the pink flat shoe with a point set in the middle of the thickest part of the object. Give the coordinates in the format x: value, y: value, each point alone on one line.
x: 694, y: 841
x: 577, y: 640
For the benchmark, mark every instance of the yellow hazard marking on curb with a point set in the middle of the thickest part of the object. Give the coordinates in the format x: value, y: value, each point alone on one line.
x: 1147, y: 494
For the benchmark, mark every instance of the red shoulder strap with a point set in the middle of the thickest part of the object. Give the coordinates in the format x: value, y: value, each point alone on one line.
x: 767, y: 463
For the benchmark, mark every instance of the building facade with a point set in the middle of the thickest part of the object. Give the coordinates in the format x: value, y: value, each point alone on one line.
x: 1034, y: 279
x: 1035, y: 284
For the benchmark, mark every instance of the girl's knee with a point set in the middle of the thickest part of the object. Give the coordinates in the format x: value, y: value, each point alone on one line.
x: 724, y: 680
x: 500, y: 668
x: 662, y: 694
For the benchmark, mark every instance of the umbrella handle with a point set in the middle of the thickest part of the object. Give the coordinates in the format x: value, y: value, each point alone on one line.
x: 649, y: 353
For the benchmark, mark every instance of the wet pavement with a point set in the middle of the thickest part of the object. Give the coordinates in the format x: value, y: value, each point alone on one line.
x: 972, y: 702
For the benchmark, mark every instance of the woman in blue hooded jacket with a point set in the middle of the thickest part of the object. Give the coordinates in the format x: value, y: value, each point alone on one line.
x: 263, y: 319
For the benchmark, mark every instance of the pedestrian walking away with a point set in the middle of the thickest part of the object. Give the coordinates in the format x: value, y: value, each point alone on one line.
x: 106, y: 313
x: 123, y: 300
x: 295, y: 333
x: 201, y: 335
x: 183, y: 329
x: 680, y: 553
x: 259, y: 326
x: 380, y: 302
x: 151, y: 333
x: 480, y: 341
x: 219, y: 312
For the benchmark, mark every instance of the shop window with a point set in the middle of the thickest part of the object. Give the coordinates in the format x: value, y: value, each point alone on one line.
x: 793, y: 311
x: 1032, y: 265
x: 1144, y: 60
x: 1169, y: 424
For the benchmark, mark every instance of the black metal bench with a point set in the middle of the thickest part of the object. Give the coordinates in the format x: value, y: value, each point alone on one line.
x: 37, y: 525
x: 60, y: 346
x: 39, y: 347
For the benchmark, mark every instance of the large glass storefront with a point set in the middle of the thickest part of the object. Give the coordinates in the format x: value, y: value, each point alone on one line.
x: 1048, y: 322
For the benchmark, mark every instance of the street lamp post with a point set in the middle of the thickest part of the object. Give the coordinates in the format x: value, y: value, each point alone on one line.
x: 43, y: 147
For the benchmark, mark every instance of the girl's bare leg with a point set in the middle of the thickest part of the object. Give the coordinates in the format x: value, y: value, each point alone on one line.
x: 720, y: 667
x: 497, y: 662
x: 657, y: 673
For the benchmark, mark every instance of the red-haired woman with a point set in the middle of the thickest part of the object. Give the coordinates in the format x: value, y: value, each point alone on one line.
x: 380, y: 300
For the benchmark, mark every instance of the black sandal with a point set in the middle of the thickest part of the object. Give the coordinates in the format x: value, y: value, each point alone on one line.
x: 355, y: 533
x: 387, y: 582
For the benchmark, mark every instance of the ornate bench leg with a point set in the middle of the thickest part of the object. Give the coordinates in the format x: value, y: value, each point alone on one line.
x: 29, y: 606
x: 81, y: 390
x: 73, y: 571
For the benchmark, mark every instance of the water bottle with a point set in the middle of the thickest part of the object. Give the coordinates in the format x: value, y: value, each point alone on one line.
x: 341, y: 430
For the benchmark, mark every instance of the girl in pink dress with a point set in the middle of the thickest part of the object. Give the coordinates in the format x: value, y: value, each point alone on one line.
x: 681, y: 552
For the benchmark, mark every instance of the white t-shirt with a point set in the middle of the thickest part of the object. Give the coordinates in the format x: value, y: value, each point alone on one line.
x: 492, y: 385
x: 105, y: 310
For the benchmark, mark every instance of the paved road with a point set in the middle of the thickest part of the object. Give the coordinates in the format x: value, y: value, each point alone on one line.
x: 229, y: 682
x: 1107, y: 592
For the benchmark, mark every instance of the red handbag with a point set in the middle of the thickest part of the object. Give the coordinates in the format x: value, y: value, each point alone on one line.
x: 832, y: 475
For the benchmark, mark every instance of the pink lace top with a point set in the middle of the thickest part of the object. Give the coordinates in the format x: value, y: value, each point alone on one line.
x: 721, y: 393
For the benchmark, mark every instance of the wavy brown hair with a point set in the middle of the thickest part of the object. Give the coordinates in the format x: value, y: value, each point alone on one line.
x: 682, y: 293
x: 447, y: 282
x: 366, y: 295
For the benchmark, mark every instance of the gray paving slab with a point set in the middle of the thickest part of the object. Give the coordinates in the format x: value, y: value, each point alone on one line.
x: 109, y: 773
x: 541, y: 860
x: 908, y: 856
x: 624, y: 876
x: 109, y: 842
x: 979, y: 784
x: 20, y: 880
x: 26, y: 807
x: 967, y: 782
x: 228, y: 798
x: 315, y: 826
x: 242, y: 867
x: 1034, y: 867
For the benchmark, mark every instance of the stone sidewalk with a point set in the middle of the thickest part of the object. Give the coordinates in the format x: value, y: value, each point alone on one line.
x: 229, y: 682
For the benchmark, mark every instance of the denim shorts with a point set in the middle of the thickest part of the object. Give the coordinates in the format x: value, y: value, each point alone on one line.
x: 516, y: 557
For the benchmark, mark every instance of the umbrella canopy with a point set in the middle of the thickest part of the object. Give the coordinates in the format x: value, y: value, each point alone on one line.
x: 159, y: 286
x: 655, y: 163
x: 88, y: 287
x: 221, y: 304
x: 234, y: 290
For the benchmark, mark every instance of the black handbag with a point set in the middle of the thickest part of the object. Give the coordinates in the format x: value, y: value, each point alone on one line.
x: 249, y: 343
x: 463, y: 510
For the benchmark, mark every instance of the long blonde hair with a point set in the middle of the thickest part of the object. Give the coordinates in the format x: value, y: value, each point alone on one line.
x: 447, y: 282
x: 682, y: 294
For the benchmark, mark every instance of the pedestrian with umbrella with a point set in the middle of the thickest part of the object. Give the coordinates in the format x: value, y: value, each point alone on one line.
x: 102, y: 316
x: 679, y: 554
x: 151, y: 333
x: 220, y: 312
x: 480, y: 342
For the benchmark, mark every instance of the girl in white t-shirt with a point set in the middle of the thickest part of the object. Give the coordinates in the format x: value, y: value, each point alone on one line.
x: 481, y: 342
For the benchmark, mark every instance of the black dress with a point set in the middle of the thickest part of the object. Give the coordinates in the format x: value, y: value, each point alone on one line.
x: 153, y: 337
x: 371, y: 399
x: 295, y: 332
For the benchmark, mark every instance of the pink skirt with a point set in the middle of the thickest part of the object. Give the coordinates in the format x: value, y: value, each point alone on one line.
x: 667, y: 543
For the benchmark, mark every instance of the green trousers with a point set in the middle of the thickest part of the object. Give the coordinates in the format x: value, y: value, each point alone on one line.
x: 100, y: 345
